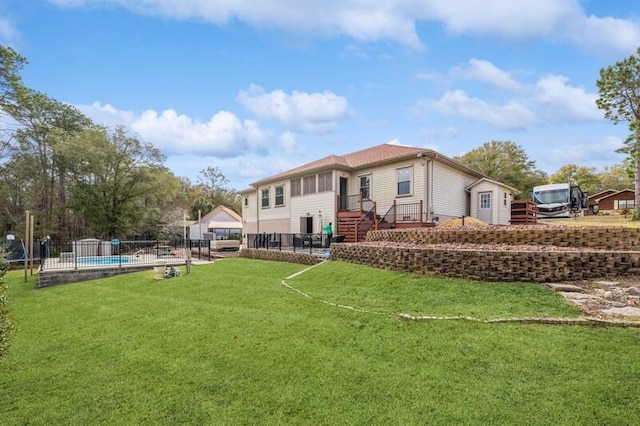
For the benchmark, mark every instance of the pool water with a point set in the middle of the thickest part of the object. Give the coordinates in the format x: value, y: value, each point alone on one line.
x: 103, y: 260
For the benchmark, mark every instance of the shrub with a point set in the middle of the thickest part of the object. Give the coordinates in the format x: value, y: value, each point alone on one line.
x: 5, y: 323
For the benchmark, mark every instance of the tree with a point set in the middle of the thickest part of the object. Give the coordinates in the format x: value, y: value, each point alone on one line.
x: 10, y: 82
x: 505, y: 162
x: 113, y: 173
x: 617, y: 177
x: 33, y: 127
x: 585, y: 177
x: 619, y: 98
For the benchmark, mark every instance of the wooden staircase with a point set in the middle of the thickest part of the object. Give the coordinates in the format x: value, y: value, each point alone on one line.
x: 355, y: 225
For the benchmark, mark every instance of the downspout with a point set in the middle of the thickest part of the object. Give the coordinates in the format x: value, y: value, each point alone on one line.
x: 426, y: 189
x: 257, y: 212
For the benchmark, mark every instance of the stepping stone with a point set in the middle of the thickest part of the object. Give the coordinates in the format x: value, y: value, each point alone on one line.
x: 578, y: 296
x: 627, y: 311
x: 565, y: 287
x: 607, y: 283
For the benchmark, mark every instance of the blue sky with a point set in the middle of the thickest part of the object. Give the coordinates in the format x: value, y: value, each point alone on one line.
x: 258, y: 87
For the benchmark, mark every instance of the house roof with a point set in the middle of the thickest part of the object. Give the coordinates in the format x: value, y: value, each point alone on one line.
x: 631, y: 191
x: 220, y: 214
x: 602, y: 194
x: 369, y: 157
x: 495, y: 182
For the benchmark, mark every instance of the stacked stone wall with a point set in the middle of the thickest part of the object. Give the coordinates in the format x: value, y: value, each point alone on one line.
x: 518, y: 253
x: 281, y: 256
x: 53, y: 277
x: 611, y: 238
x: 492, y: 265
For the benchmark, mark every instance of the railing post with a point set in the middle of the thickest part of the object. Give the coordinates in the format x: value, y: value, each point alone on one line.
x: 395, y: 213
x: 420, y: 212
x: 375, y: 215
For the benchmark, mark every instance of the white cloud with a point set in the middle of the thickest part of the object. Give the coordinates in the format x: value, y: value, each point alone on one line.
x: 510, y: 116
x: 524, y: 18
x: 289, y: 143
x: 311, y: 112
x: 224, y: 135
x: 551, y: 99
x: 604, y: 36
x: 7, y: 30
x: 566, y: 102
x: 563, y: 20
x: 599, y: 153
x: 486, y: 72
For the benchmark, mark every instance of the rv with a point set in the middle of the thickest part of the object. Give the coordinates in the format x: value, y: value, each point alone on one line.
x: 558, y: 200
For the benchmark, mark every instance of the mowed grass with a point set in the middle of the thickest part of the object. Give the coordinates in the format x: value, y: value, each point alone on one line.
x: 228, y: 344
x: 595, y: 220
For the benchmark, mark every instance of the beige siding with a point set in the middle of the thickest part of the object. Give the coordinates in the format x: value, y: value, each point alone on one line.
x: 273, y: 213
x: 449, y: 196
x: 320, y: 206
x: 384, y: 184
x: 500, y: 213
x: 504, y: 211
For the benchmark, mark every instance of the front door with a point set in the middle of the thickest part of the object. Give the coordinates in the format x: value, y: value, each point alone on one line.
x: 344, y: 192
x: 306, y: 225
x: 484, y: 207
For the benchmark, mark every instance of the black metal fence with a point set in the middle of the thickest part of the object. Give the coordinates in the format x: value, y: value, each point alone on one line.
x: 95, y: 253
x: 306, y: 243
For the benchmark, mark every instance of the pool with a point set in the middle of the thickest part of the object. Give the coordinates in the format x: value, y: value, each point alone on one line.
x: 103, y: 260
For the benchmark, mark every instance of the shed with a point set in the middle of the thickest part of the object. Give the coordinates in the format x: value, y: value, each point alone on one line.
x: 490, y: 201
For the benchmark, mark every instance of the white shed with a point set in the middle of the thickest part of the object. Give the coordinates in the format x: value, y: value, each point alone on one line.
x: 491, y: 201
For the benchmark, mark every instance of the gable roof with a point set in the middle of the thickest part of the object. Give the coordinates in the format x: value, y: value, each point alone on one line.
x: 630, y: 191
x: 220, y: 214
x: 494, y: 182
x: 369, y: 157
x: 601, y: 194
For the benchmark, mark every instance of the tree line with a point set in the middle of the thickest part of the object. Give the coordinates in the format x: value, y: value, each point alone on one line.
x: 80, y: 179
x: 507, y: 162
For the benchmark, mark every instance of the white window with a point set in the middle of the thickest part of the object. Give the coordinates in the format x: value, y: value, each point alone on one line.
x: 309, y: 185
x: 485, y: 200
x: 265, y: 198
x: 404, y: 180
x: 505, y: 199
x: 365, y: 186
x: 296, y: 187
x: 246, y: 202
x: 279, y: 202
x: 325, y: 182
x: 626, y: 204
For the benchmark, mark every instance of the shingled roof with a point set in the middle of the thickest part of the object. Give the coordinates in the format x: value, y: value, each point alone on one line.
x: 377, y: 155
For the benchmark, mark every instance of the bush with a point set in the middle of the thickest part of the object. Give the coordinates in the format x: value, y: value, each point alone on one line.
x: 5, y: 323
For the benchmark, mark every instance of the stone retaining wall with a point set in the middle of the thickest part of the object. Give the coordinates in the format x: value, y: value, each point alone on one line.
x: 612, y: 238
x: 48, y: 278
x: 281, y: 256
x: 493, y: 265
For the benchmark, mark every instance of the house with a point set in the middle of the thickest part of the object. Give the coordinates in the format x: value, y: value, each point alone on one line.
x: 385, y: 186
x: 219, y: 224
x: 611, y: 200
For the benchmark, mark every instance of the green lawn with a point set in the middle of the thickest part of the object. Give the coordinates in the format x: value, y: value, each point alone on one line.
x: 595, y: 220
x: 228, y: 344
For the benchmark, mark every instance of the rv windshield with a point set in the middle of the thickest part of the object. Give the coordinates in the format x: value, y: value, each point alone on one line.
x: 555, y: 196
